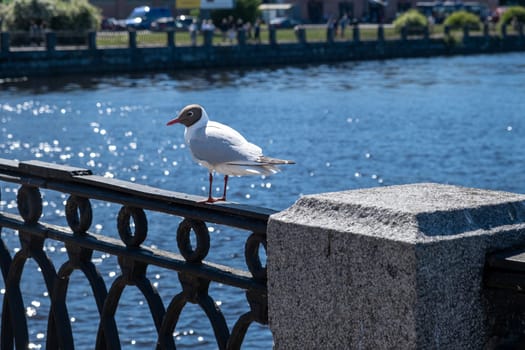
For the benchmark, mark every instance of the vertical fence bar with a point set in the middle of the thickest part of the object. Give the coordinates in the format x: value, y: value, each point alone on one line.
x: 466, y: 33
x: 170, y: 37
x: 404, y: 33
x: 51, y: 41
x: 241, y: 36
x: 5, y: 42
x: 208, y: 38
x: 300, y: 34
x: 380, y: 33
x: 426, y: 33
x: 272, y: 35
x: 92, y: 40
x: 356, y: 35
x: 132, y: 39
x: 329, y: 34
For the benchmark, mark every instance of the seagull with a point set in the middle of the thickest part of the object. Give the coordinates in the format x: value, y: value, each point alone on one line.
x: 222, y: 149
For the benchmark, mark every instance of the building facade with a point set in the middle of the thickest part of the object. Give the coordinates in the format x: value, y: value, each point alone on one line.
x: 318, y: 11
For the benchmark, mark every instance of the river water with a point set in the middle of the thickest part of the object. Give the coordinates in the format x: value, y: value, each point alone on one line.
x: 455, y: 120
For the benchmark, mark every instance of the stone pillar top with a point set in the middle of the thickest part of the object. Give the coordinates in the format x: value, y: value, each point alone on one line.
x: 388, y: 267
x: 421, y: 211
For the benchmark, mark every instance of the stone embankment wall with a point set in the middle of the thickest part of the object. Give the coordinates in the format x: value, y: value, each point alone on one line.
x: 58, y: 61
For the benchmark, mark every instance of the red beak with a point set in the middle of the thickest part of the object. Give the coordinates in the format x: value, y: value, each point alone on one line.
x: 173, y: 121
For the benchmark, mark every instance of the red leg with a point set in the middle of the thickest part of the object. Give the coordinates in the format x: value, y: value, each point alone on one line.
x: 225, y: 186
x: 210, y: 198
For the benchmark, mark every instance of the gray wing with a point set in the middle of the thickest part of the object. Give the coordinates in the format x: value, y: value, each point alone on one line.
x: 222, y: 144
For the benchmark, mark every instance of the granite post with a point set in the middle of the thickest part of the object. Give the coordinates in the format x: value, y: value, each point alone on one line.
x: 391, y: 267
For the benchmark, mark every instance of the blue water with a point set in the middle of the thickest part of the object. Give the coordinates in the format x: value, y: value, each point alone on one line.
x: 452, y: 120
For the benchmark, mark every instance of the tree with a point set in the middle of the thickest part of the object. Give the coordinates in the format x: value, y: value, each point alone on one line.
x: 247, y: 10
x: 73, y: 15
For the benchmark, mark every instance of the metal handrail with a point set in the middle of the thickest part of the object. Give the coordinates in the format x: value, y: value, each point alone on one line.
x: 195, y: 274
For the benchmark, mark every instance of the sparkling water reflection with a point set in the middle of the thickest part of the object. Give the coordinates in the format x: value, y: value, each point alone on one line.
x: 349, y: 125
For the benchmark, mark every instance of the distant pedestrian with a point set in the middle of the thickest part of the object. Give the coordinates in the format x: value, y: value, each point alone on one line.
x: 207, y: 30
x: 343, y: 22
x: 257, y: 31
x: 232, y: 32
x: 431, y: 23
x: 193, y: 32
x: 36, y: 33
x: 223, y: 27
x: 208, y: 25
x: 331, y: 27
x: 248, y: 28
x: 336, y: 26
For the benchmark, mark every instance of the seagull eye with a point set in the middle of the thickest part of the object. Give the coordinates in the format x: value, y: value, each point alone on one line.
x: 189, y: 114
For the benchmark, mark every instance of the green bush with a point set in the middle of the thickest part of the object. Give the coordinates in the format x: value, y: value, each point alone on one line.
x: 461, y: 19
x: 516, y: 13
x: 72, y: 15
x: 413, y: 20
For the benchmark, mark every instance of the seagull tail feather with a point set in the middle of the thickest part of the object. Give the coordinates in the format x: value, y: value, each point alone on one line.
x: 261, y: 166
x: 269, y: 160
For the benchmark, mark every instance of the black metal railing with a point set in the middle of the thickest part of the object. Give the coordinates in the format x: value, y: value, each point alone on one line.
x: 195, y: 274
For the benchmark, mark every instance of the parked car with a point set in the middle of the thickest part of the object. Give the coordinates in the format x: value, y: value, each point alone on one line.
x: 284, y: 22
x: 110, y: 23
x: 163, y: 24
x: 142, y: 17
x: 183, y: 22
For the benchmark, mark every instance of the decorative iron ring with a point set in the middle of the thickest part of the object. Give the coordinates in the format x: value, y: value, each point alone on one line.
x: 29, y: 201
x: 132, y: 239
x: 79, y: 214
x: 203, y: 240
x: 251, y: 254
